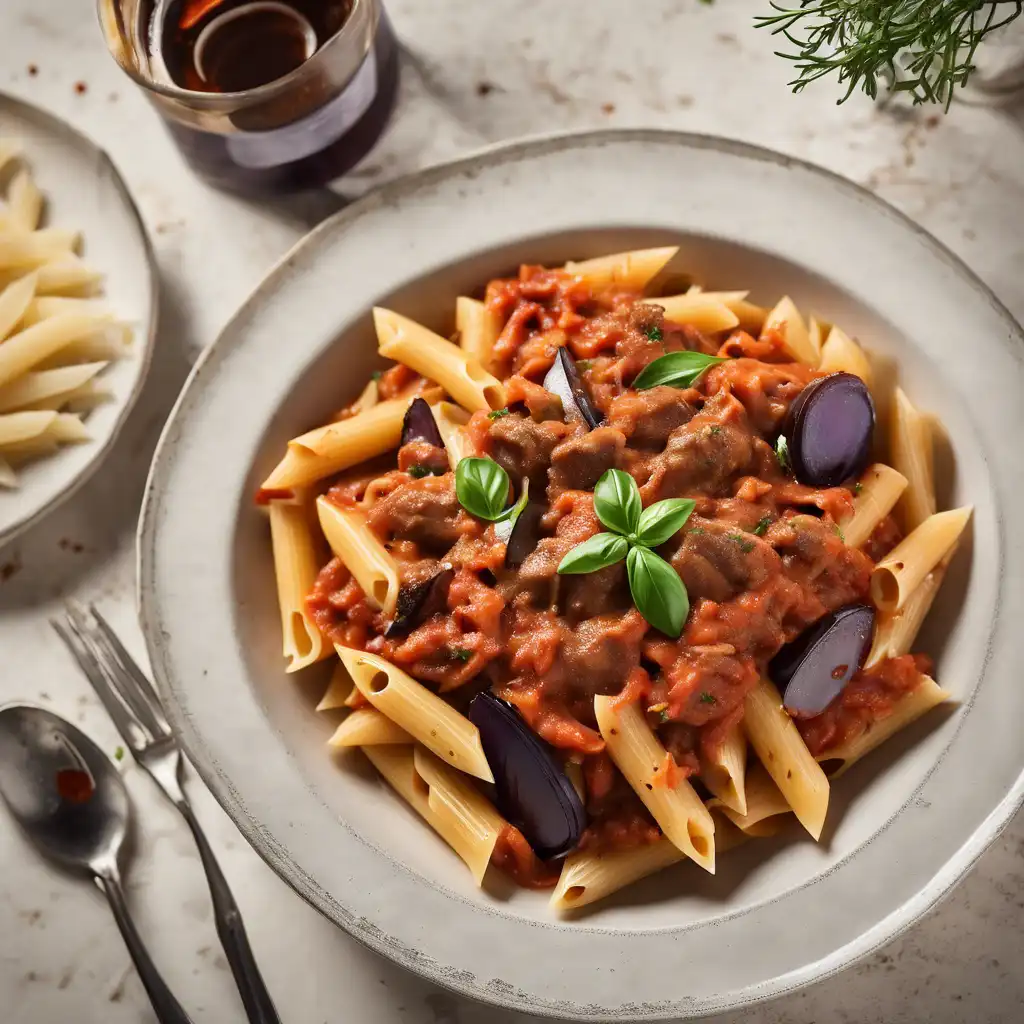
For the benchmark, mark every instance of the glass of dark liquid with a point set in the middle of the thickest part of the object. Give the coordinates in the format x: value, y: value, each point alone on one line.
x: 261, y: 96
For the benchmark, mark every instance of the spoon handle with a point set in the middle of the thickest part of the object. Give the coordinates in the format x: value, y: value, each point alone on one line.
x: 168, y: 1009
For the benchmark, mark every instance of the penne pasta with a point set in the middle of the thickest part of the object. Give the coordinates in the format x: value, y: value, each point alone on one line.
x: 766, y: 807
x: 786, y: 322
x: 903, y: 569
x: 15, y: 299
x: 574, y: 773
x: 781, y: 749
x: 879, y: 488
x: 725, y: 775
x: 295, y: 567
x: 24, y: 201
x: 478, y: 329
x: 42, y: 307
x: 462, y: 376
x: 455, y: 811
x: 450, y: 420
x: 28, y: 249
x: 8, y: 478
x: 18, y: 427
x: 338, y: 690
x: 895, y: 632
x: 10, y: 149
x: 31, y: 388
x: 703, y: 311
x: 367, y: 728
x: 68, y: 276
x: 424, y: 715
x: 363, y: 554
x: 911, y: 451
x: 337, y: 446
x: 589, y: 876
x: 24, y: 350
x: 644, y: 762
x: 633, y: 270
x: 841, y: 353
x: 926, y: 696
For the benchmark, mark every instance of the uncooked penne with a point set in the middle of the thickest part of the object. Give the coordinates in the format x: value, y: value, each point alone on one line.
x: 367, y: 727
x: 34, y: 387
x: 450, y: 420
x: 766, y: 808
x: 352, y: 540
x: 24, y: 350
x: 338, y: 690
x: 633, y: 270
x: 725, y: 774
x: 422, y: 350
x: 478, y: 329
x: 420, y: 712
x: 781, y: 749
x: 927, y: 695
x: 785, y: 321
x: 296, y: 567
x: 702, y: 311
x: 903, y: 569
x: 875, y: 496
x: 841, y: 353
x: 895, y: 632
x: 647, y: 765
x: 911, y: 452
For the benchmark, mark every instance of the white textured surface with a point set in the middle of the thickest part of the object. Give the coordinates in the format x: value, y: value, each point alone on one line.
x: 477, y: 72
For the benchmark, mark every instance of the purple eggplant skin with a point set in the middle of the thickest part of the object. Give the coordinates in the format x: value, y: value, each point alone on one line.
x: 533, y: 793
x: 564, y: 380
x: 829, y: 429
x: 419, y: 425
x: 522, y: 536
x: 811, y: 671
x: 416, y: 603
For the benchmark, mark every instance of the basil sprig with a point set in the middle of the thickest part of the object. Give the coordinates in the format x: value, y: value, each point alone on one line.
x: 677, y: 370
x: 482, y: 487
x: 657, y: 590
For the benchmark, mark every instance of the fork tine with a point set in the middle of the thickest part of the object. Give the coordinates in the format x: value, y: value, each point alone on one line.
x: 115, y: 671
x: 131, y: 730
x: 131, y: 666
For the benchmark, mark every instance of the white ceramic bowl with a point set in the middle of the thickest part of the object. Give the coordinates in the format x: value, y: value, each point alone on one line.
x: 903, y: 826
x: 83, y: 191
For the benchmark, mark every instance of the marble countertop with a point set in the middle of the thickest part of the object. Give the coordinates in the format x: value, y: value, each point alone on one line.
x: 473, y: 73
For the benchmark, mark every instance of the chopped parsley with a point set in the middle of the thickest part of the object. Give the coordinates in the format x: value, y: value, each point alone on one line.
x: 376, y: 375
x: 708, y: 698
x: 664, y: 716
x: 653, y: 332
x: 697, y: 531
x: 416, y: 472
x: 782, y: 453
x: 857, y: 488
x: 762, y: 525
x: 839, y: 532
x: 461, y: 654
x: 713, y: 431
x: 584, y: 364
x: 746, y: 546
x: 497, y: 414
x: 119, y: 754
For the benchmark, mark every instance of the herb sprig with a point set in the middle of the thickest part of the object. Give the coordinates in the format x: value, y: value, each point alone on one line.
x: 657, y: 590
x: 676, y: 369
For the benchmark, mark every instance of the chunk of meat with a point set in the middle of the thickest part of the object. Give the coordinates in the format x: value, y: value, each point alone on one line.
x: 647, y: 418
x: 717, y: 561
x: 595, y: 593
x: 540, y: 403
x: 421, y: 457
x: 578, y: 462
x: 523, y: 447
x: 766, y: 390
x: 426, y: 512
x: 598, y: 655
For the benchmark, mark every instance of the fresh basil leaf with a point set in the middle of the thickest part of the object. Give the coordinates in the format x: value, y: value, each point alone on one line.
x: 508, y: 518
x: 617, y: 501
x: 598, y: 552
x: 677, y: 370
x: 482, y: 487
x: 661, y: 520
x: 657, y: 591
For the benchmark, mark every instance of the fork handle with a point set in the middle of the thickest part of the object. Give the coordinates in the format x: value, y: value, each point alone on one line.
x: 168, y: 1010
x: 259, y: 1007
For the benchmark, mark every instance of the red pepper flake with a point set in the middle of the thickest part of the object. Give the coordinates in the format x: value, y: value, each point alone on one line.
x: 33, y: 70
x: 74, y: 786
x: 80, y: 88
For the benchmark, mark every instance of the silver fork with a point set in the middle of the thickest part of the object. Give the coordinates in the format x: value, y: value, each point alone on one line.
x: 134, y: 706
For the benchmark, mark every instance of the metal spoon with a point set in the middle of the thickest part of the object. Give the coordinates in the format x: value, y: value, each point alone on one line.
x: 70, y: 800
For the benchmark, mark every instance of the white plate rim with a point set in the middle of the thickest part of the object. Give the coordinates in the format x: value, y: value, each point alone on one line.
x: 883, y: 932
x: 142, y: 351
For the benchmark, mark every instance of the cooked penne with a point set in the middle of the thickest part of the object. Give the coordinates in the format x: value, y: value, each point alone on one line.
x: 451, y: 419
x: 33, y: 248
x: 461, y: 375
x: 647, y: 767
x: 897, y: 575
x: 911, y: 450
x: 703, y: 311
x: 337, y: 446
x: 574, y: 773
x: 926, y: 696
x: 10, y: 149
x: 877, y: 492
x: 452, y: 808
x: 8, y: 478
x: 425, y: 716
x: 588, y: 876
x: 296, y: 567
x: 781, y: 749
x: 766, y: 809
x: 841, y: 353
x: 478, y: 329
x: 42, y: 307
x: 24, y: 350
x: 363, y: 554
x: 18, y: 427
x: 31, y: 388
x: 24, y: 202
x: 367, y: 728
x: 338, y: 690
x: 786, y: 322
x: 368, y: 397
x: 895, y: 632
x: 725, y: 776
x: 633, y: 270
x: 68, y: 276
x: 15, y: 300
